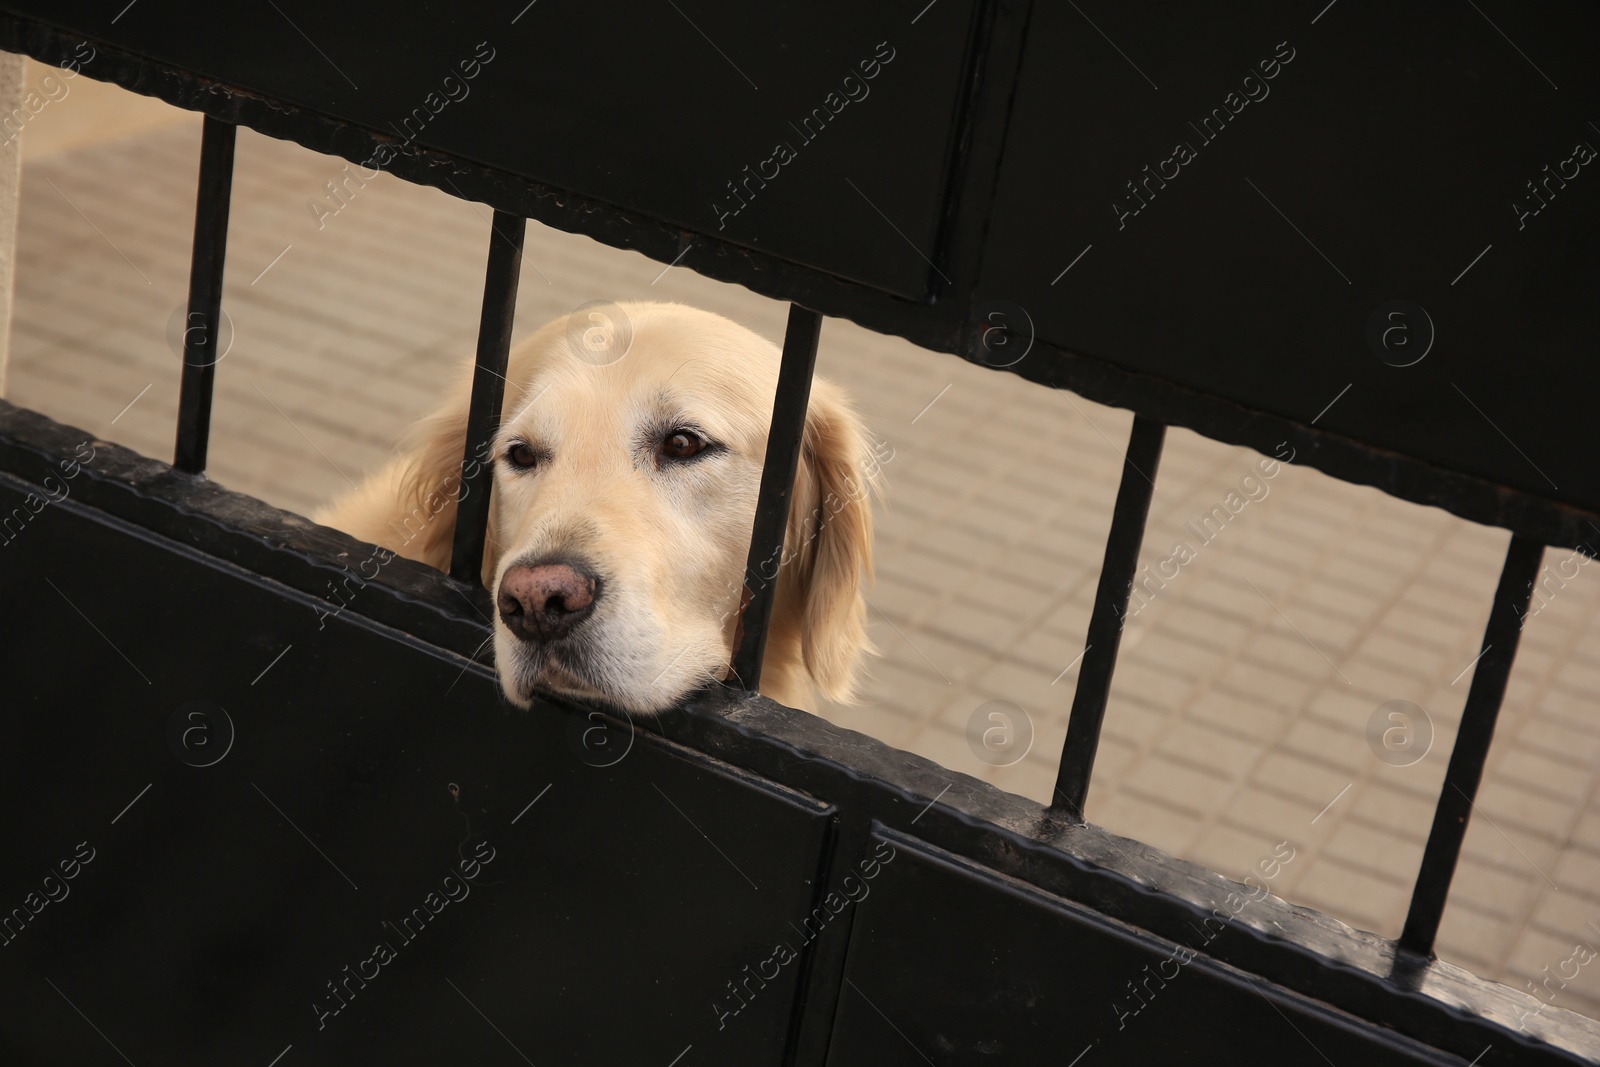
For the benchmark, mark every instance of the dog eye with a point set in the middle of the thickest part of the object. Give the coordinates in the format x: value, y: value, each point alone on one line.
x: 682, y: 444
x: 522, y: 455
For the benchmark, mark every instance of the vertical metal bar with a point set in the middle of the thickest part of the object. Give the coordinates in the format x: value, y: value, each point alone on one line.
x: 777, y: 487
x: 506, y: 233
x: 202, y: 326
x: 1110, y: 611
x: 1465, y: 772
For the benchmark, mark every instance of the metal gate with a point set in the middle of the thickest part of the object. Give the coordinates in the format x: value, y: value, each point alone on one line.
x: 362, y: 855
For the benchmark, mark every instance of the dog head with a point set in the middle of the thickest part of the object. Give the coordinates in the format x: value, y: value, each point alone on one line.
x: 626, y: 469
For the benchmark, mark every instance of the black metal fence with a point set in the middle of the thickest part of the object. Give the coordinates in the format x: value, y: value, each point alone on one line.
x: 1036, y: 872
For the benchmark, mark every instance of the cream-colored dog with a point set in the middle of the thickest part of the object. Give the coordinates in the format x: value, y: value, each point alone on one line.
x: 626, y: 469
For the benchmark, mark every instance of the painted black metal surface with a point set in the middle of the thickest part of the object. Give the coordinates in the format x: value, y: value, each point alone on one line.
x: 771, y: 126
x: 784, y: 439
x: 975, y: 279
x: 298, y: 828
x: 974, y: 847
x: 1058, y: 984
x: 504, y: 271
x: 1301, y: 208
x: 1117, y: 571
x: 204, y: 337
x: 1490, y: 673
x: 362, y: 747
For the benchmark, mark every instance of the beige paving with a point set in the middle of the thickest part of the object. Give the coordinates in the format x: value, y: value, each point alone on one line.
x: 1239, y: 713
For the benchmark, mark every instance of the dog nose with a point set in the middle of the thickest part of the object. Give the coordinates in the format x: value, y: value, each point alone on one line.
x: 545, y: 601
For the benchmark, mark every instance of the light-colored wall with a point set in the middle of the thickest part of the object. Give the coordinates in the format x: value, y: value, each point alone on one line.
x: 12, y: 76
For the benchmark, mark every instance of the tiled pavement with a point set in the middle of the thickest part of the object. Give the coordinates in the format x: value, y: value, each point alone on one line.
x: 1241, y: 704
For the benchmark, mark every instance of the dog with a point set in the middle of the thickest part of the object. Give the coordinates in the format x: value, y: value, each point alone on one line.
x: 626, y: 467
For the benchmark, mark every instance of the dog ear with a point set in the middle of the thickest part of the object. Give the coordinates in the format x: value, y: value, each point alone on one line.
x: 435, y: 457
x: 430, y: 483
x: 829, y: 540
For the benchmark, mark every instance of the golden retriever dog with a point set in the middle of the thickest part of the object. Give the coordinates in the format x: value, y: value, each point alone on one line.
x: 625, y: 474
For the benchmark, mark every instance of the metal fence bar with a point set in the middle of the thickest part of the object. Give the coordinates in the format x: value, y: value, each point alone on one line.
x: 789, y: 405
x: 1110, y: 612
x: 1465, y: 771
x: 202, y: 329
x: 506, y: 234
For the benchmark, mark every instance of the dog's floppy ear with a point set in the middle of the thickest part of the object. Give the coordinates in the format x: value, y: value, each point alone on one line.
x: 430, y: 482
x: 829, y: 541
x: 435, y: 454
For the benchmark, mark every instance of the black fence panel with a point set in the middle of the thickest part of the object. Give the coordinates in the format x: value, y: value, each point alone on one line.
x: 293, y: 813
x: 761, y: 102
x: 1319, y: 219
x: 1060, y: 984
x: 305, y: 833
x: 254, y: 801
x: 1015, y: 189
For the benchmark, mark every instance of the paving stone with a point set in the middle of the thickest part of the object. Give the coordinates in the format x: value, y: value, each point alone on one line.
x: 1180, y: 785
x: 1506, y: 889
x: 1578, y: 871
x: 1234, y: 852
x: 1227, y: 754
x: 1386, y: 855
x: 1295, y: 775
x: 1380, y: 805
x: 1342, y: 748
x: 1473, y: 937
x: 1134, y: 721
x: 1559, y: 775
x: 1235, y: 712
x: 1123, y: 813
x: 1520, y: 812
x: 1355, y: 896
